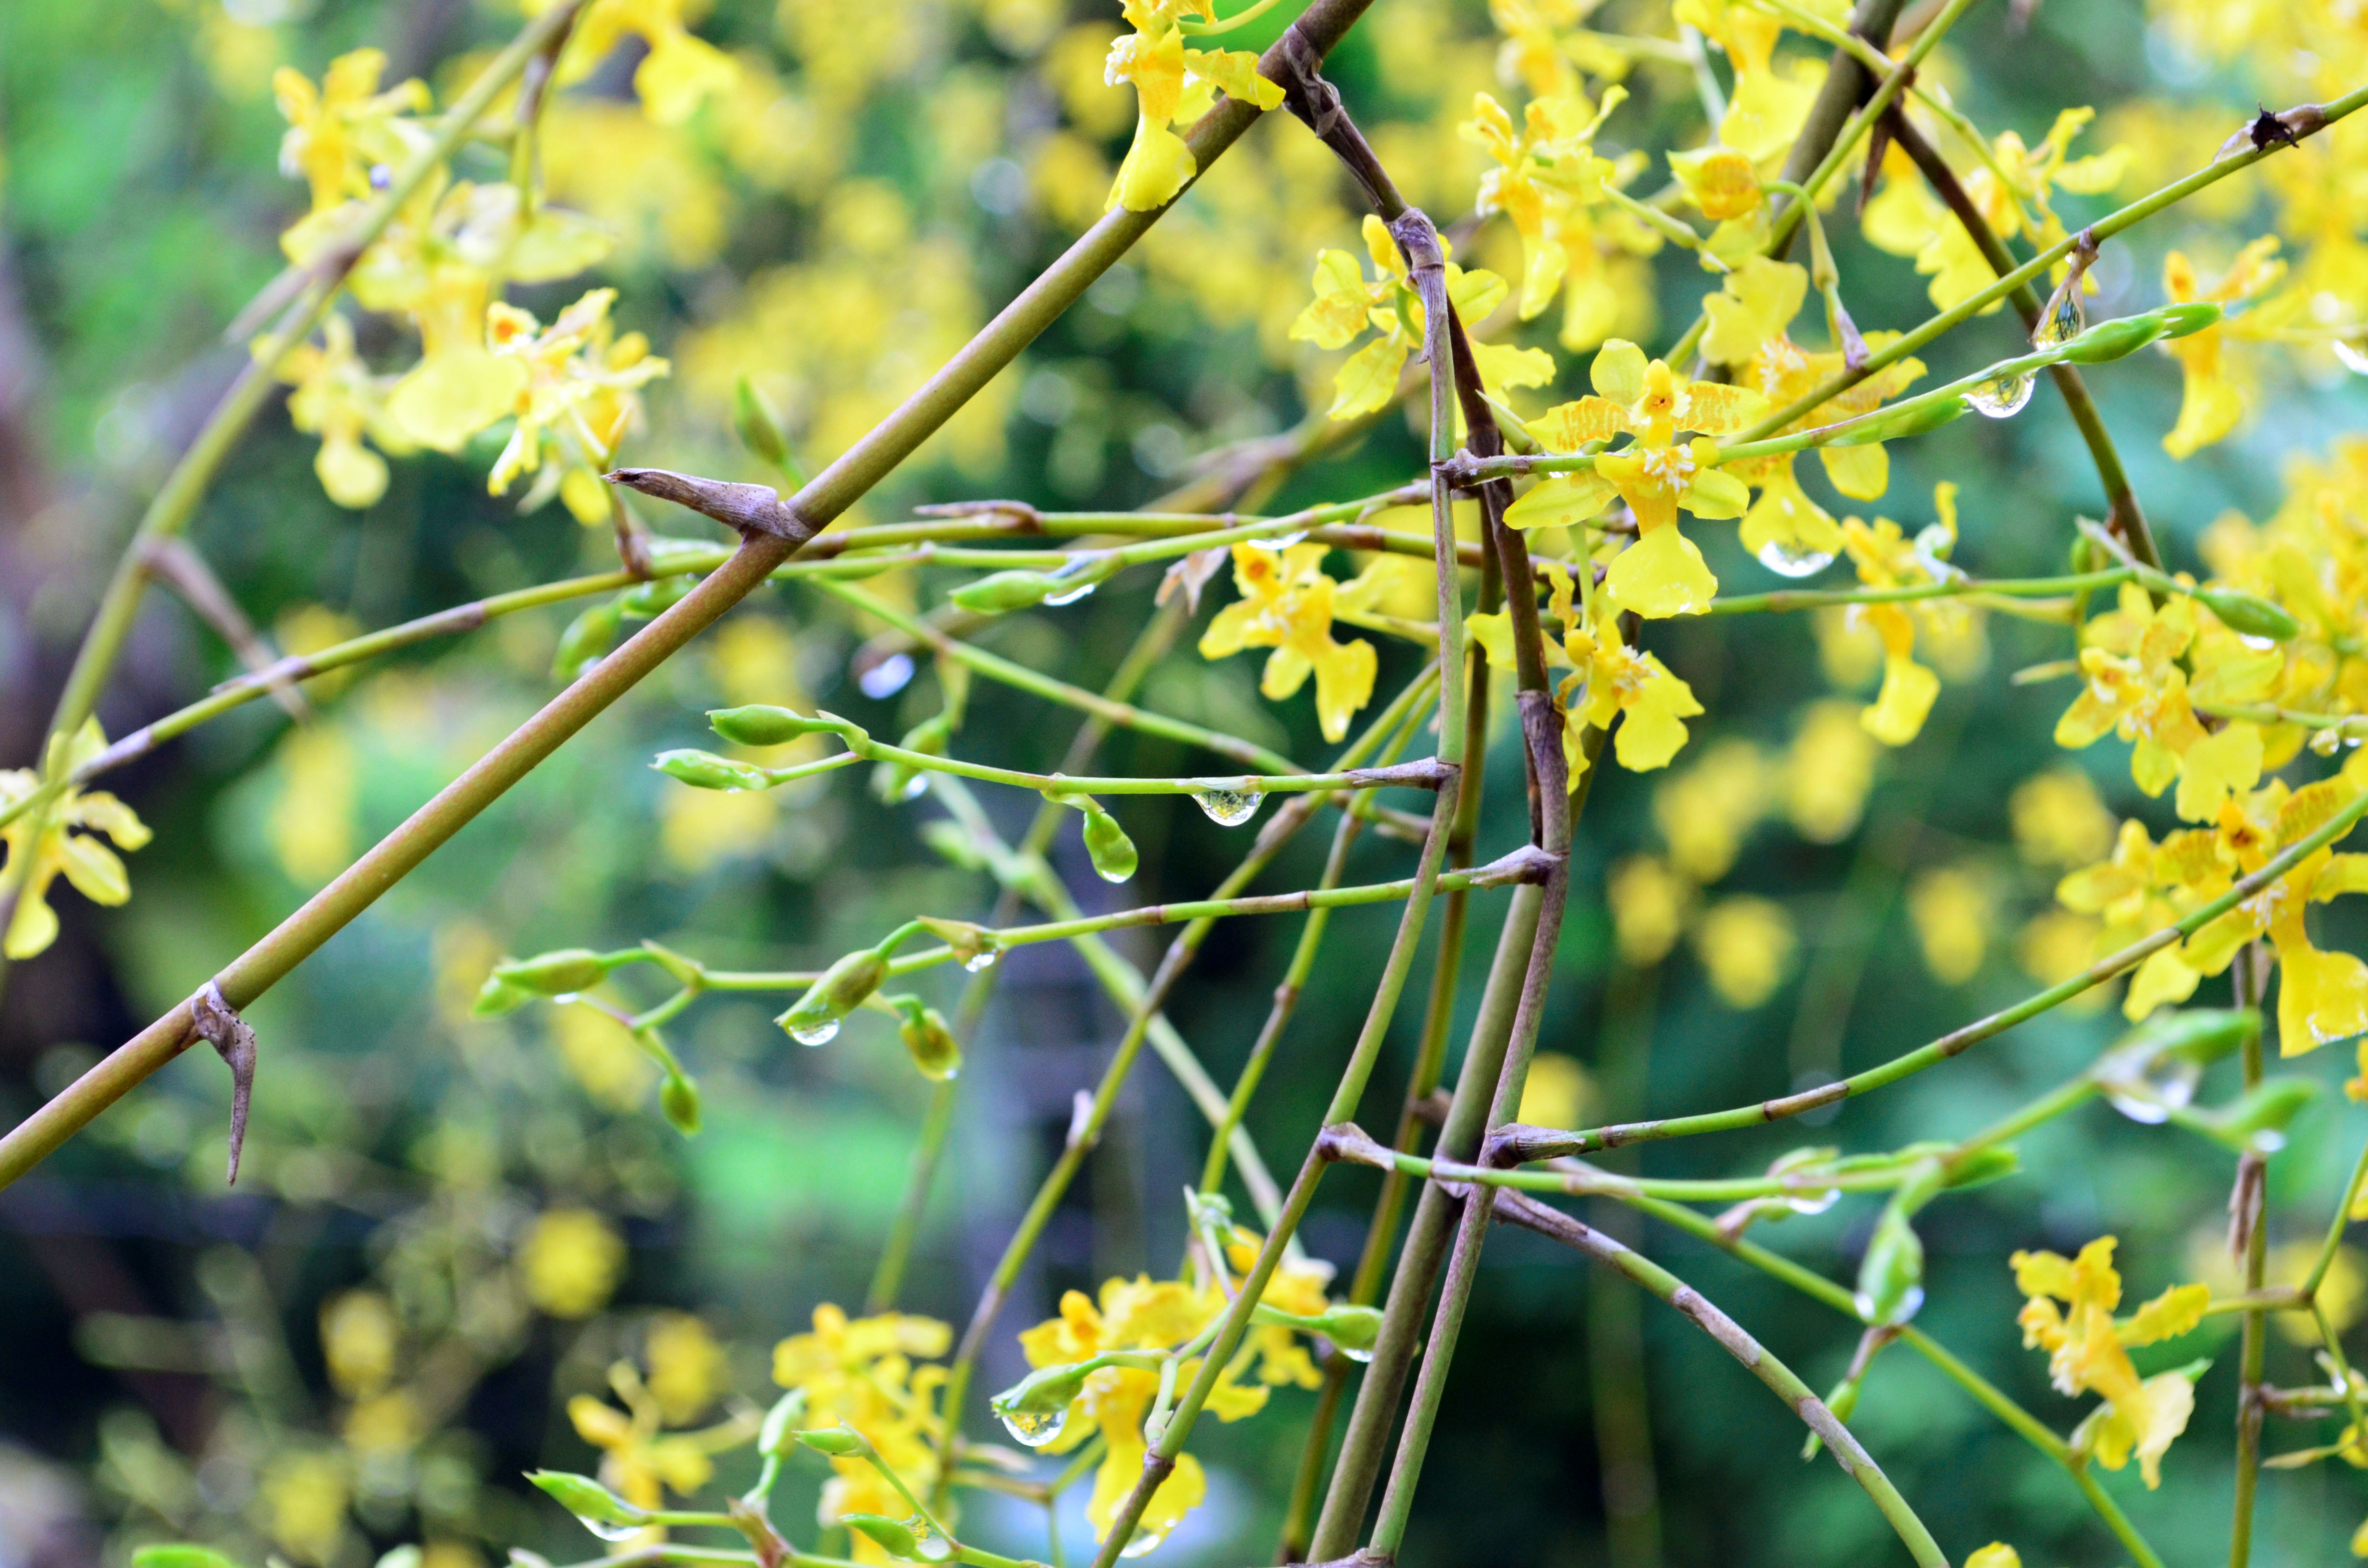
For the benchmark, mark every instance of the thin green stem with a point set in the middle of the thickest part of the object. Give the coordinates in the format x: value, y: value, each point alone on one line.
x: 2335, y: 1227
x: 2249, y: 1204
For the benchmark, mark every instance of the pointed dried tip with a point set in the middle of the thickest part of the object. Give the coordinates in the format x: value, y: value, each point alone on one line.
x: 218, y: 1023
x: 745, y: 508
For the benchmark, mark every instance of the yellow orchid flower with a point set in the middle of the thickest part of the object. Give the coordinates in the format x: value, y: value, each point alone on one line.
x: 639, y: 1460
x: 1662, y: 573
x: 1906, y: 218
x: 1286, y: 604
x: 1547, y: 180
x: 337, y: 399
x: 62, y: 837
x: 580, y: 397
x: 1346, y: 304
x: 1720, y: 181
x: 2210, y: 403
x: 1613, y: 679
x: 1173, y: 85
x: 1789, y: 532
x: 1887, y: 557
x: 1766, y: 108
x: 345, y: 135
x: 676, y: 75
x: 2088, y: 1351
x: 862, y: 1371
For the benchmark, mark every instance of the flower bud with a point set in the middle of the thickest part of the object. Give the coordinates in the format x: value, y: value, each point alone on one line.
x: 832, y: 1440
x: 891, y: 1536
x: 1106, y: 845
x: 969, y: 941
x: 2113, y: 339
x: 587, y: 638
x: 814, y: 1017
x: 2256, y: 1121
x: 497, y: 997
x: 644, y: 600
x: 1352, y: 1329
x: 2194, y: 316
x: 679, y: 1099
x: 1003, y: 592
x: 1903, y: 423
x: 927, y: 1035
x: 586, y: 1498
x: 774, y: 1439
x: 555, y: 973
x: 760, y: 725
x: 2248, y: 615
x: 760, y: 430
x: 1984, y: 1166
x: 705, y: 770
x: 1891, y: 1275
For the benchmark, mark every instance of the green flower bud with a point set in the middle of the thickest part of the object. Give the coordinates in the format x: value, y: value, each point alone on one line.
x: 2111, y: 340
x: 1984, y: 1166
x: 1891, y: 1275
x: 1036, y: 1409
x: 497, y: 997
x: 705, y: 770
x: 1903, y: 423
x: 586, y: 1498
x: 927, y: 1035
x: 2256, y: 1120
x: 891, y: 1536
x: 180, y: 1554
x: 1351, y: 1329
x: 774, y: 1439
x: 831, y: 1440
x: 1106, y: 845
x: 2194, y: 316
x: 760, y: 430
x: 970, y: 943
x: 759, y: 725
x: 2250, y: 615
x: 814, y: 1019
x: 678, y: 1098
x: 1002, y: 592
x: 587, y: 638
x: 555, y: 973
x: 645, y: 600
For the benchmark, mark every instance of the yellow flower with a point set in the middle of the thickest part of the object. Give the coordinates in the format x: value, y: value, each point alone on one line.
x: 1662, y: 573
x: 1755, y: 303
x: 862, y: 1372
x: 1346, y: 304
x: 45, y: 841
x: 1785, y: 529
x: 1906, y: 218
x: 640, y: 1460
x: 1613, y: 680
x: 1649, y: 903
x: 676, y: 75
x: 1286, y: 604
x: 1997, y: 1554
x: 579, y: 398
x: 2210, y: 405
x: 1887, y: 557
x: 1828, y: 772
x: 1560, y: 1092
x: 2059, y: 819
x: 1765, y: 111
x: 1173, y: 85
x: 1718, y: 180
x: 337, y: 399
x: 360, y: 1336
x: 304, y: 1498
x: 2088, y: 1351
x: 572, y: 1258
x: 1704, y: 812
x: 312, y: 824
x: 2124, y: 892
x: 1952, y: 910
x: 1746, y: 945
x: 1547, y: 181
x: 688, y: 1369
x: 341, y: 132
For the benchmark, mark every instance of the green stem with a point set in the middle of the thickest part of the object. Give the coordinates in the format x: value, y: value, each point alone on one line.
x: 2336, y: 1226
x: 2253, y: 1344
x: 838, y: 487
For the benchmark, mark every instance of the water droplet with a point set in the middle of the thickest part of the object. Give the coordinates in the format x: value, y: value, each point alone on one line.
x: 1071, y: 596
x: 912, y: 789
x: 1787, y: 561
x: 381, y: 177
x: 1911, y: 1301
x: 1814, y: 1202
x: 2066, y: 322
x: 887, y: 677
x: 2148, y: 1084
x: 1277, y: 543
x: 1036, y: 1428
x: 2327, y: 741
x: 1144, y: 1541
x: 1360, y: 1357
x: 822, y: 1033
x: 932, y: 1547
x: 1229, y: 808
x: 982, y: 961
x: 2354, y: 360
x: 566, y: 997
x: 608, y: 1531
x: 2001, y: 397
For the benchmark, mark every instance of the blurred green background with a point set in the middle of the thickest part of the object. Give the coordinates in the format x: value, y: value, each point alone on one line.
x: 882, y: 178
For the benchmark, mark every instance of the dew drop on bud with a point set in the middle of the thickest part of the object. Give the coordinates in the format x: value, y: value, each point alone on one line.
x: 912, y: 789
x: 2354, y: 360
x: 1036, y: 1428
x: 2327, y: 741
x: 821, y: 1033
x: 1814, y: 1202
x: 2065, y: 322
x: 887, y: 677
x: 1144, y: 1541
x: 1277, y: 543
x: 2001, y: 397
x: 1229, y: 808
x: 1071, y: 596
x: 1360, y: 1357
x: 982, y: 961
x: 1787, y: 561
x: 608, y: 1531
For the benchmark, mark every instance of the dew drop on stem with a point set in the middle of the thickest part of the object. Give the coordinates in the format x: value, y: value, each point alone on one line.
x: 1229, y: 808
x: 2001, y: 397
